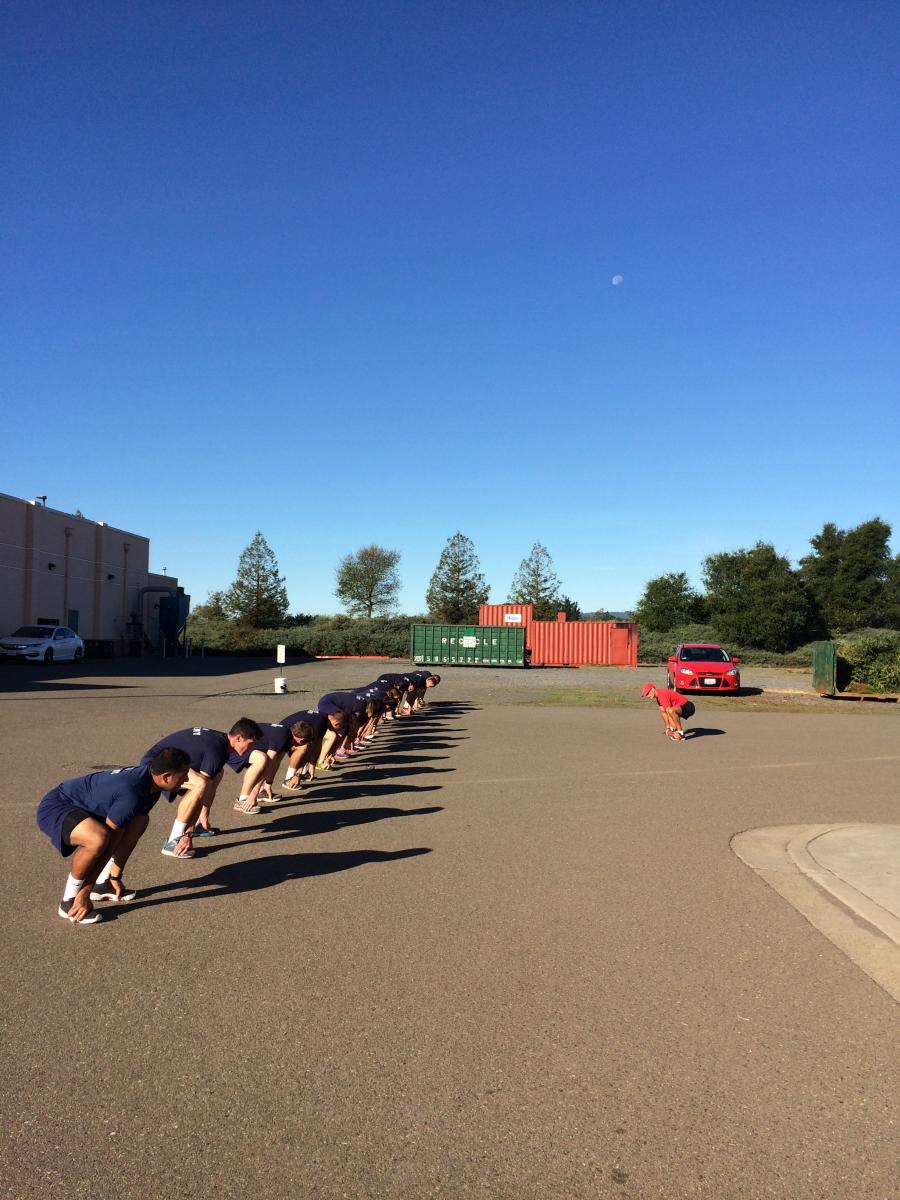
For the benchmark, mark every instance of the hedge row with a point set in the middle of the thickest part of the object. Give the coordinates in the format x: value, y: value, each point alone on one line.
x: 871, y: 659
x: 388, y: 636
x: 655, y: 648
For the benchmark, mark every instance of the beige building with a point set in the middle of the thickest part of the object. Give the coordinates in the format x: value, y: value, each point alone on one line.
x: 59, y: 569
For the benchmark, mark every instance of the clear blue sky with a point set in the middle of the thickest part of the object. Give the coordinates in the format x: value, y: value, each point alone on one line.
x: 344, y: 273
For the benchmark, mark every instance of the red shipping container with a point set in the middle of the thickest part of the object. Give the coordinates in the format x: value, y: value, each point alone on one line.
x: 568, y: 643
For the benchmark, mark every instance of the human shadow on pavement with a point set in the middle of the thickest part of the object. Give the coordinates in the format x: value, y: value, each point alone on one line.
x: 372, y: 772
x: 690, y: 734
x: 349, y: 817
x: 250, y: 875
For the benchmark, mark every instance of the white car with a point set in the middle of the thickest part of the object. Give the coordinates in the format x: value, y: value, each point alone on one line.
x: 42, y: 643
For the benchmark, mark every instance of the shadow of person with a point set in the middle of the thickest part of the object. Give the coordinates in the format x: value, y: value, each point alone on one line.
x: 250, y: 875
x: 307, y: 824
x: 700, y: 732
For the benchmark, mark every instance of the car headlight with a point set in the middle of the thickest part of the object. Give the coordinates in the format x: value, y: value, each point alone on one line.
x: 733, y: 671
x: 685, y: 671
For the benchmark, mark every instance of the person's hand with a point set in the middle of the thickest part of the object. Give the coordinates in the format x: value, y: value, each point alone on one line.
x: 81, y: 905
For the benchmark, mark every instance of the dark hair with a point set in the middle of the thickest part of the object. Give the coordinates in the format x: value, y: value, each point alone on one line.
x: 169, y: 759
x: 303, y: 730
x: 246, y: 728
x: 436, y: 678
x: 371, y: 708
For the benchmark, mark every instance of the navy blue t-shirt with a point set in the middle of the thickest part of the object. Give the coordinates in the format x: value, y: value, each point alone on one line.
x: 274, y: 737
x: 394, y: 680
x: 117, y: 795
x: 208, y: 748
x: 311, y: 716
x: 342, y: 702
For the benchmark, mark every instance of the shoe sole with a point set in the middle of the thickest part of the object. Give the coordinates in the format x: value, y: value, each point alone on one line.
x: 172, y: 853
x: 104, y: 899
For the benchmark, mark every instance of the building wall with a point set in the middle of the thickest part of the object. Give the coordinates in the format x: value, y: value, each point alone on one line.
x: 54, y: 565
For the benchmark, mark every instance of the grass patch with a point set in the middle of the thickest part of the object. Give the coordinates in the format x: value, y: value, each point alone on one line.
x: 786, y: 702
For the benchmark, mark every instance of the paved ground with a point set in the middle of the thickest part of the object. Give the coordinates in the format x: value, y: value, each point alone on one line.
x: 510, y: 954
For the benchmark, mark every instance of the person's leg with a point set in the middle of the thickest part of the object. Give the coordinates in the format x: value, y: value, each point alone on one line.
x: 256, y: 771
x: 265, y: 788
x: 109, y: 885
x: 194, y: 805
x: 327, y: 749
x: 299, y: 756
x: 93, y: 841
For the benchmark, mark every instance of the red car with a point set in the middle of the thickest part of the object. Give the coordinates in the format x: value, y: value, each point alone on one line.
x: 703, y: 667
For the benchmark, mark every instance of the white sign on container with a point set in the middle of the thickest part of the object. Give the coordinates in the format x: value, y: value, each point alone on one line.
x: 280, y: 654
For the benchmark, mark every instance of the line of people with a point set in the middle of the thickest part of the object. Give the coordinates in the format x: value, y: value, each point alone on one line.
x: 98, y: 819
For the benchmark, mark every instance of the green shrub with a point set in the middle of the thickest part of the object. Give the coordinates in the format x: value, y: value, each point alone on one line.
x: 387, y: 636
x: 655, y: 648
x: 873, y: 658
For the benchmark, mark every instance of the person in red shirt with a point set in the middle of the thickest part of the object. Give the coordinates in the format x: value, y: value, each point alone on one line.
x: 672, y: 708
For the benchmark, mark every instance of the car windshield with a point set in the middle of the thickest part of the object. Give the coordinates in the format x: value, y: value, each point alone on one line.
x: 703, y: 654
x: 40, y: 631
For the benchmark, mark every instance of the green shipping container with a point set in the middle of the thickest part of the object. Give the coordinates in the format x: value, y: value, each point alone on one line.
x: 468, y: 645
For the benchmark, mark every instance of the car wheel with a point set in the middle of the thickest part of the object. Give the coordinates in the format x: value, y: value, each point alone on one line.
x: 48, y: 656
x: 78, y: 655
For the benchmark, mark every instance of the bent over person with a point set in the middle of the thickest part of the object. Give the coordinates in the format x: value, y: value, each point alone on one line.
x: 672, y: 708
x: 98, y: 819
x: 208, y: 750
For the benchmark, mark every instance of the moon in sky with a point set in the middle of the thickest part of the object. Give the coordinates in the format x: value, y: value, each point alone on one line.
x: 616, y: 279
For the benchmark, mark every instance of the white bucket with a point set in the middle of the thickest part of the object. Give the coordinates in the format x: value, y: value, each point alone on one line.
x: 280, y: 684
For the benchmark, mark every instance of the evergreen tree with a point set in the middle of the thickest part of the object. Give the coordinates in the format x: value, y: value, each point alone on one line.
x: 536, y: 583
x: 457, y: 587
x: 570, y: 608
x: 258, y: 597
x: 851, y: 574
x: 669, y: 601
x: 367, y: 581
x: 756, y: 599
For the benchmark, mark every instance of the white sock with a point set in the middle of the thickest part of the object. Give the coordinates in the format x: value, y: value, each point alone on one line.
x: 242, y: 799
x: 289, y: 774
x: 178, y: 829
x: 73, y: 886
x: 106, y: 872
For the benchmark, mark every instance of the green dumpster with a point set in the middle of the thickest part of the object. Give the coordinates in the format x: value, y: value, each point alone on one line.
x: 824, y: 678
x: 468, y: 645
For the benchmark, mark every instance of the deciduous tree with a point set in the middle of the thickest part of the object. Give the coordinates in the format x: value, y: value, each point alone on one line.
x: 756, y: 599
x: 367, y: 581
x: 669, y: 601
x: 851, y: 576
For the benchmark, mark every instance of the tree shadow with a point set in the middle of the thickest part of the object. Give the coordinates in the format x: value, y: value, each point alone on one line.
x: 250, y: 875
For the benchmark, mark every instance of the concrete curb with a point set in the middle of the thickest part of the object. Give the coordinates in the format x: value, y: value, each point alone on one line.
x: 844, y: 879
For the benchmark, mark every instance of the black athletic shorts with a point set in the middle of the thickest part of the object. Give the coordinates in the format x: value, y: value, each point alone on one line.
x: 687, y: 709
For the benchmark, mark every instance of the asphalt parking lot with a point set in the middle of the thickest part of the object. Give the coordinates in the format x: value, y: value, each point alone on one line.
x: 508, y: 953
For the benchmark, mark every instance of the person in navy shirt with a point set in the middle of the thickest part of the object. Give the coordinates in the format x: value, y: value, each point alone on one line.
x: 208, y: 750
x: 357, y: 707
x: 404, y: 682
x: 422, y: 681
x: 263, y: 760
x: 308, y: 729
x: 98, y: 819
